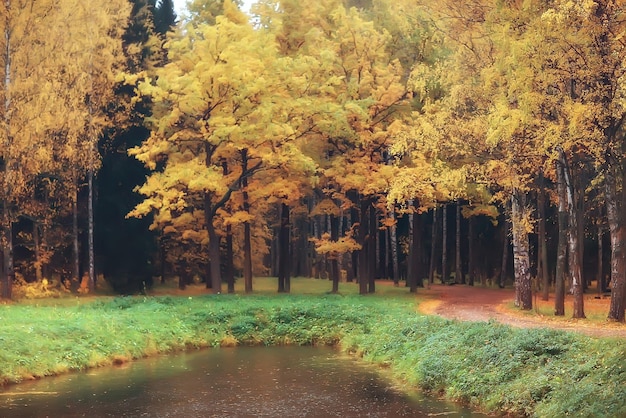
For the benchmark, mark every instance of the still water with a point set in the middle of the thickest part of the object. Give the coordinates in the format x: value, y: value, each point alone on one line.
x: 227, y: 382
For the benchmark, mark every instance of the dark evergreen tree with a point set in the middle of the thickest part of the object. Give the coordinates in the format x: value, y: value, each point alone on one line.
x: 126, y: 247
x: 164, y: 17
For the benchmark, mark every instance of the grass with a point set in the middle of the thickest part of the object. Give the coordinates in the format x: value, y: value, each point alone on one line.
x: 299, y: 285
x: 596, y: 310
x: 543, y: 373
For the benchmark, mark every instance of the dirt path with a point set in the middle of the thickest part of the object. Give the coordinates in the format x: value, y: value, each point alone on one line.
x: 468, y: 303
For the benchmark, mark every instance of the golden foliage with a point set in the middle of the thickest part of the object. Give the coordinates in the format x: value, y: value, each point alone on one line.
x: 326, y: 207
x: 335, y: 249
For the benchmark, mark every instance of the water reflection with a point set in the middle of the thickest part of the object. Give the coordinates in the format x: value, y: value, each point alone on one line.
x: 240, y: 382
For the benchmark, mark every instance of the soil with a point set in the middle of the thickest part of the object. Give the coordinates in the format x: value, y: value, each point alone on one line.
x: 467, y: 303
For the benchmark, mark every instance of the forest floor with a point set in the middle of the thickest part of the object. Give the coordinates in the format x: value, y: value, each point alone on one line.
x: 469, y: 303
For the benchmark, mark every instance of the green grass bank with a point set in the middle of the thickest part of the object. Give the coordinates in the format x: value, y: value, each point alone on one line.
x: 541, y: 373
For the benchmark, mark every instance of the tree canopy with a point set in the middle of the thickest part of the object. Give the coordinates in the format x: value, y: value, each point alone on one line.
x: 311, y: 135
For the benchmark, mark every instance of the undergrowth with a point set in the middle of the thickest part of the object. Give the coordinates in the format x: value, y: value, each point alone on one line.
x: 534, y: 372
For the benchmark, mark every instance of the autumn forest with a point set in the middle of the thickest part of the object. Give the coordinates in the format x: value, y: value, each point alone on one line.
x: 474, y: 142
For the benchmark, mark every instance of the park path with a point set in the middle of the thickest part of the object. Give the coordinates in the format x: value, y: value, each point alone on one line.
x: 469, y: 303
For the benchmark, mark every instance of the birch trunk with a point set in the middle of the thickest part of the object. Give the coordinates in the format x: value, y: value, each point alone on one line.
x: 521, y: 253
x: 618, y: 254
x: 574, y: 240
x: 561, y: 260
x: 542, y: 252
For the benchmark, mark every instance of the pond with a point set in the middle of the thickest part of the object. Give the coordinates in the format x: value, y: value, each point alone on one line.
x: 226, y: 382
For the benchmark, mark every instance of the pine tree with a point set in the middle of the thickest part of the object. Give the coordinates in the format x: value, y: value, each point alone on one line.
x: 165, y: 17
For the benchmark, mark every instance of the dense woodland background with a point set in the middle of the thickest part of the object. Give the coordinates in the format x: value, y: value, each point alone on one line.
x: 461, y: 142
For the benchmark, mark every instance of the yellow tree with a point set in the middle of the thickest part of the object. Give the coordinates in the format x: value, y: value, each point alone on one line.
x: 440, y: 151
x: 221, y: 98
x: 587, y: 65
x: 21, y: 62
x: 39, y: 62
x: 367, y: 85
x: 301, y: 35
x: 95, y: 61
x: 499, y: 109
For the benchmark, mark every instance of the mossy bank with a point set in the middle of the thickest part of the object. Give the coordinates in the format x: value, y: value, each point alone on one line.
x: 492, y: 367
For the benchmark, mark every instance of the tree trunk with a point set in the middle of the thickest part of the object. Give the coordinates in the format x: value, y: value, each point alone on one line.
x: 334, y: 262
x: 433, y: 248
x: 303, y: 258
x: 409, y: 260
x: 163, y: 256
x: 3, y: 277
x: 247, y: 243
x: 574, y: 240
x: 414, y: 274
x: 45, y: 267
x: 214, y: 256
x: 37, y: 245
x: 284, y: 268
x: 363, y: 232
x: 7, y: 251
x: 387, y: 269
x: 505, y: 253
x: 521, y: 253
x: 274, y: 258
x: 75, y: 249
x: 247, y: 234
x: 561, y: 260
x: 458, y: 268
x: 542, y: 251
x: 444, y: 245
x: 371, y: 249
x: 579, y: 210
x: 90, y: 232
x: 470, y: 250
x: 379, y: 267
x: 7, y: 222
x: 393, y: 243
x: 229, y: 269
x: 182, y: 275
x: 600, y: 272
x: 618, y: 254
